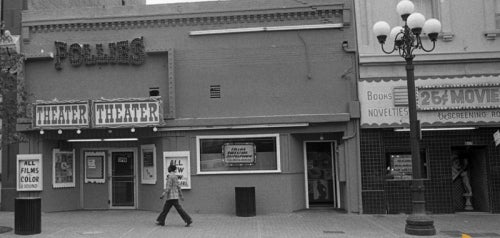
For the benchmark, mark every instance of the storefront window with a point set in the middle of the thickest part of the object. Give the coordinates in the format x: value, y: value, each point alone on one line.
x: 428, y: 8
x: 238, y: 154
x: 399, y: 165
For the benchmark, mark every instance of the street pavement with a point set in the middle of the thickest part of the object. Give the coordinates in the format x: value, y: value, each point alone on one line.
x: 307, y: 223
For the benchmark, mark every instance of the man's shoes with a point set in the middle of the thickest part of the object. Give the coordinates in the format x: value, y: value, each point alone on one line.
x: 189, y: 223
x: 159, y: 223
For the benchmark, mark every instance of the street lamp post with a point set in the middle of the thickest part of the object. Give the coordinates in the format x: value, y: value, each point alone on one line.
x: 407, y: 39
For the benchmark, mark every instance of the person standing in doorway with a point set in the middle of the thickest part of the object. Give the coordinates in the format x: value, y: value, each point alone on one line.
x: 173, y: 193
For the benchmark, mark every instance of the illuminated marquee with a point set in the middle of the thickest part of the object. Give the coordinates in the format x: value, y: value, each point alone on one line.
x: 130, y: 112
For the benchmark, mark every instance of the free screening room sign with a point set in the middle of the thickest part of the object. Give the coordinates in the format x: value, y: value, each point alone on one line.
x: 29, y: 172
x: 236, y: 154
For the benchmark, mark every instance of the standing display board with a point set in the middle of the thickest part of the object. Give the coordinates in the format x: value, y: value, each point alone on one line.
x: 29, y: 172
x: 181, y: 160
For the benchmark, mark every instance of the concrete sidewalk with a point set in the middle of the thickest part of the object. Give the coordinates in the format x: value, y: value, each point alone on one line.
x: 311, y: 223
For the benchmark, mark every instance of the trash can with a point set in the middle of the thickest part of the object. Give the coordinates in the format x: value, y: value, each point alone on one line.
x: 245, y: 201
x: 28, y: 215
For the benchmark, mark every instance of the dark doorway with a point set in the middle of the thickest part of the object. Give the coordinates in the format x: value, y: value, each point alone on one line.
x: 469, y: 165
x: 320, y: 174
x: 122, y: 179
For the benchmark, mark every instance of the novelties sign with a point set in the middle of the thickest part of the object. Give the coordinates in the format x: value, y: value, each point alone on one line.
x: 98, y: 113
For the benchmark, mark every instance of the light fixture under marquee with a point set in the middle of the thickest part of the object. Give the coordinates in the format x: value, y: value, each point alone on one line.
x: 101, y: 140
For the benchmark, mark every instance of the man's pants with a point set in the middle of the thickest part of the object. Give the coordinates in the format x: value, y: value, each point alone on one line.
x: 178, y: 207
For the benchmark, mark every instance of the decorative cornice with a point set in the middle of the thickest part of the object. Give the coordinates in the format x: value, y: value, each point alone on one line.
x: 323, y: 14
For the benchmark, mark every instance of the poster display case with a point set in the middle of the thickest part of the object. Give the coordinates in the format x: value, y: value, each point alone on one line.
x: 63, y: 168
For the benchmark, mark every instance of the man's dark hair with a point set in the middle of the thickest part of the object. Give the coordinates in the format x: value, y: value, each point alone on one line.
x: 172, y: 168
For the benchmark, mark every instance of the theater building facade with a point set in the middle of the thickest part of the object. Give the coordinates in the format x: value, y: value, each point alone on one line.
x: 458, y: 96
x: 255, y: 94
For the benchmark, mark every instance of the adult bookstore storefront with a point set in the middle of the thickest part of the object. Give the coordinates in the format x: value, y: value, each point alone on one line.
x: 459, y: 119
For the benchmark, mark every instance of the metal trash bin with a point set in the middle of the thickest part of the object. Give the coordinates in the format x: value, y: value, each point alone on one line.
x: 28, y: 215
x: 245, y: 201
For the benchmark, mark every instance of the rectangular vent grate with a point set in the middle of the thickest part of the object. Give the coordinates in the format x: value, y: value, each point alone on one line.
x: 214, y: 91
x: 400, y: 96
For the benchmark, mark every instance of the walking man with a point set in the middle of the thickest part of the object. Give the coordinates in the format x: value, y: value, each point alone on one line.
x: 173, y: 193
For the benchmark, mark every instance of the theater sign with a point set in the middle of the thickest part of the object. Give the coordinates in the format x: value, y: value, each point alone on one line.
x: 440, y: 101
x: 65, y: 114
x: 127, y: 112
x: 102, y: 113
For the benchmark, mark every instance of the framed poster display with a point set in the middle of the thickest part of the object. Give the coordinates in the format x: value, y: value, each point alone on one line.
x: 181, y: 160
x: 63, y: 169
x: 95, y: 166
x: 239, y: 154
x: 148, y: 164
x: 29, y: 172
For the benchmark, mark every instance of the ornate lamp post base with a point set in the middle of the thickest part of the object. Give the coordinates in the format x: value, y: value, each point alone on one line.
x: 420, y: 225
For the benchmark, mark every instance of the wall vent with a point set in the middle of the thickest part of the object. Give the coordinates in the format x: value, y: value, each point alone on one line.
x: 400, y: 96
x: 214, y: 91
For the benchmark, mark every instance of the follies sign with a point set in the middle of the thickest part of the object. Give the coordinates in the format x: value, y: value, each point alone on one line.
x: 440, y: 101
x: 129, y: 112
x: 122, y: 52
